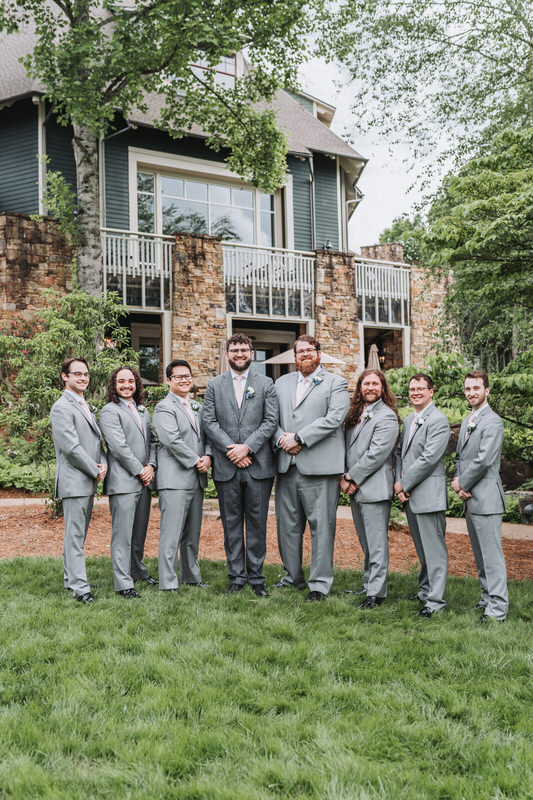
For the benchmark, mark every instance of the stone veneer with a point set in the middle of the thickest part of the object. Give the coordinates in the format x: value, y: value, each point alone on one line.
x: 427, y: 300
x: 33, y: 256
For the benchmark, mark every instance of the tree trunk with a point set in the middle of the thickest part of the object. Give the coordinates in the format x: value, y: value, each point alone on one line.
x: 89, y: 260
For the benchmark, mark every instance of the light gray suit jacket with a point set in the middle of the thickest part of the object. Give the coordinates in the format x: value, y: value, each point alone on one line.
x: 129, y: 449
x: 477, y: 463
x: 252, y: 424
x: 179, y: 446
x: 420, y: 465
x: 318, y: 419
x: 369, y: 454
x: 78, y: 446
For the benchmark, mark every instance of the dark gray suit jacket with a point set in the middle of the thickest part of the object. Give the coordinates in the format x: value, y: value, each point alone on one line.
x: 129, y: 449
x: 252, y: 424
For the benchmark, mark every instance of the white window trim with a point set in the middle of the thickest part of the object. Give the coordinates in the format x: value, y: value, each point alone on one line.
x: 153, y: 161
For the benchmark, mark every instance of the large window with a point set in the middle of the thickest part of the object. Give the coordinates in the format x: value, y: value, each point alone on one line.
x: 224, y: 71
x: 168, y: 204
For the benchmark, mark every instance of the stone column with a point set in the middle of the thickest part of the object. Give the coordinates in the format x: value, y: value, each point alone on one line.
x: 198, y: 304
x: 427, y: 305
x: 336, y: 310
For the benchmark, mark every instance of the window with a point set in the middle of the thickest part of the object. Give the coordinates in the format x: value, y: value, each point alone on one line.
x: 194, y: 206
x: 224, y: 71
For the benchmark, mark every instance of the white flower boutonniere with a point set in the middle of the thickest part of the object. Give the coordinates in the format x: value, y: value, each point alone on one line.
x: 195, y: 406
x: 93, y: 409
x: 141, y: 408
x: 249, y: 393
x: 367, y: 415
x: 419, y: 422
x: 317, y: 380
x: 471, y: 427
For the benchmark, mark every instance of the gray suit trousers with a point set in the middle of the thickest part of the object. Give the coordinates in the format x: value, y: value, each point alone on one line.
x: 181, y: 523
x: 244, y: 499
x: 428, y: 533
x: 371, y: 522
x: 77, y: 513
x: 313, y: 498
x: 485, y: 532
x: 129, y: 515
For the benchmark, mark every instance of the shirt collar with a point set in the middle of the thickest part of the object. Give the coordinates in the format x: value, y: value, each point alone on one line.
x: 75, y: 396
x: 236, y: 374
x: 422, y: 413
x: 308, y: 377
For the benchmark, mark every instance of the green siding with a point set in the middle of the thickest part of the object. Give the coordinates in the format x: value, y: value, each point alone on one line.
x: 301, y: 201
x: 59, y: 150
x: 326, y: 201
x: 19, y: 168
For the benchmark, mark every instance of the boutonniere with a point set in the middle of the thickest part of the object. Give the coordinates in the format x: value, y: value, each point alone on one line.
x: 317, y: 380
x: 471, y: 427
x: 367, y: 415
x: 93, y: 409
x: 249, y: 393
x: 419, y: 422
x: 141, y: 408
x: 195, y: 406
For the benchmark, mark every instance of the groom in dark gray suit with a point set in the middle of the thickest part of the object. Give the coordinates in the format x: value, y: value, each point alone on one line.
x: 240, y: 414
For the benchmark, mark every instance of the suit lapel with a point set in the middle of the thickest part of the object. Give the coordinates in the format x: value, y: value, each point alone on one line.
x: 181, y: 410
x: 127, y: 414
x: 84, y: 416
x: 250, y: 382
x: 312, y: 383
x: 478, y: 421
x: 374, y: 410
x: 230, y: 391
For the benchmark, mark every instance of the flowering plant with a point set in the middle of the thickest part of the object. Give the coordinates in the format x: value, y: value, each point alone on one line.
x: 249, y: 393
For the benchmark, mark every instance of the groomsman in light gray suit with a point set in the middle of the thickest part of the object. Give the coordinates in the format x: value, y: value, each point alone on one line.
x: 310, y: 441
x: 421, y: 485
x: 131, y: 453
x: 240, y: 415
x: 477, y: 482
x: 183, y: 461
x: 371, y: 431
x: 80, y: 463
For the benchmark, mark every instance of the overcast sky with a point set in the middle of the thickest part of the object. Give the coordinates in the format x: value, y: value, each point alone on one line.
x: 387, y: 176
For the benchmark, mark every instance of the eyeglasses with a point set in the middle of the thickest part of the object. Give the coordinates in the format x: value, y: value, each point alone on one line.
x: 309, y: 351
x: 181, y: 378
x: 419, y: 389
x: 239, y: 352
x: 79, y: 374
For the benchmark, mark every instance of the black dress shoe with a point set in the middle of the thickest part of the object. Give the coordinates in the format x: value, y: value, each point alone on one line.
x: 84, y: 598
x: 355, y: 591
x: 281, y: 585
x: 131, y: 592
x: 314, y: 597
x: 150, y: 581
x: 486, y: 618
x: 260, y: 591
x: 371, y: 602
x: 414, y: 597
x: 425, y: 612
x: 480, y: 606
x: 234, y: 587
x: 174, y: 591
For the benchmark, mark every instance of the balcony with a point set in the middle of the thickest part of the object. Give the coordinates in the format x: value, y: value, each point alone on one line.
x: 139, y: 267
x: 268, y: 282
x: 383, y: 293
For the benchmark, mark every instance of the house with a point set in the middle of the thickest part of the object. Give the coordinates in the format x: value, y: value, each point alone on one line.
x: 195, y: 252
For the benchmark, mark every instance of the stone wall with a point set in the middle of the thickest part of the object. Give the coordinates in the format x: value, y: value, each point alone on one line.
x: 427, y: 299
x: 388, y: 251
x: 336, y: 310
x: 33, y: 256
x: 199, y: 304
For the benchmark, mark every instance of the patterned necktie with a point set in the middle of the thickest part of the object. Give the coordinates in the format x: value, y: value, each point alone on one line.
x: 133, y: 409
x: 190, y: 412
x: 302, y: 386
x: 239, y: 389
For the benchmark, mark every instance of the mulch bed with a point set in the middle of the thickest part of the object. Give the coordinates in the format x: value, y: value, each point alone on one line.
x: 30, y: 531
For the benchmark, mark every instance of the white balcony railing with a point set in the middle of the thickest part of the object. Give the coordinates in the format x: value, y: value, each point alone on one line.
x: 383, y: 293
x: 139, y: 267
x: 267, y: 281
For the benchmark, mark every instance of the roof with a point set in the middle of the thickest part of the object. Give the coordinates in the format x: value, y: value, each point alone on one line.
x: 305, y: 133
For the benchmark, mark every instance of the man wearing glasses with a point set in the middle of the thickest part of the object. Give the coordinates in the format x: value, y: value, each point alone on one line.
x: 240, y: 415
x: 310, y: 441
x: 421, y: 485
x: 183, y: 461
x: 80, y: 463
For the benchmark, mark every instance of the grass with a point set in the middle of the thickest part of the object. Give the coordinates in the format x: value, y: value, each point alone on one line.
x: 200, y: 695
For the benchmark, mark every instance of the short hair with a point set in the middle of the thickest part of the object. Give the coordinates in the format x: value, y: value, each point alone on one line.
x: 306, y: 337
x: 422, y: 376
x: 65, y: 366
x: 112, y: 394
x: 239, y: 338
x: 478, y: 373
x: 357, y: 403
x: 178, y: 362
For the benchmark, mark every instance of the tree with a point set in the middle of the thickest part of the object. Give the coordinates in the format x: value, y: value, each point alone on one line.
x: 410, y: 233
x: 481, y: 232
x: 443, y: 74
x: 95, y: 56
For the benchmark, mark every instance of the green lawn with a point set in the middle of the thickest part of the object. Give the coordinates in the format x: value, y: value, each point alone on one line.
x: 200, y: 695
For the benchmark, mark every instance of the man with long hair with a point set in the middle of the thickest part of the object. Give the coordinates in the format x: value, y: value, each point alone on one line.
x: 125, y: 424
x: 421, y: 485
x: 371, y: 433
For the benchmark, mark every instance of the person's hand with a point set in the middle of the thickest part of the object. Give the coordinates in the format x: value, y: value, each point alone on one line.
x: 244, y: 462
x: 147, y: 474
x: 288, y: 443
x: 464, y: 495
x: 402, y: 496
x: 456, y: 486
x: 102, y: 472
x: 203, y: 463
x: 344, y: 484
x: 352, y: 488
x: 236, y: 452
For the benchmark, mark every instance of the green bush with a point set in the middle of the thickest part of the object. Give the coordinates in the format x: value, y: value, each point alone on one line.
x: 29, y: 477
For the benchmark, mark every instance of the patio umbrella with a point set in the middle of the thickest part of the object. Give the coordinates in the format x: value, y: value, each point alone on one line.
x: 373, y: 358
